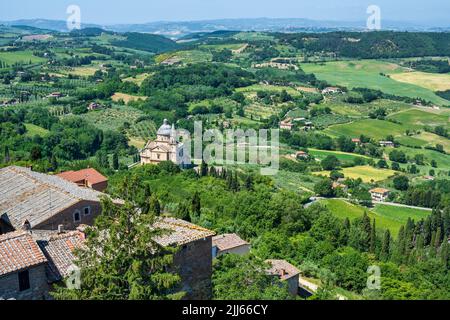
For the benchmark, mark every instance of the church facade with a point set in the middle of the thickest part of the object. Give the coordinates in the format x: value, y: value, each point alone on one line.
x: 164, y: 148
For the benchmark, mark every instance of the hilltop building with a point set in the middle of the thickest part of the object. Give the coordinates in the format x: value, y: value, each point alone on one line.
x: 164, y: 148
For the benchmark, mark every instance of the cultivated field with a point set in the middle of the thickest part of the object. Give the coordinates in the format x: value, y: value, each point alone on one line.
x: 431, y: 81
x: 370, y: 74
x: 366, y: 173
x: 126, y: 97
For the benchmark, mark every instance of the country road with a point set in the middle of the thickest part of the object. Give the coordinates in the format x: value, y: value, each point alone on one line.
x: 312, y: 287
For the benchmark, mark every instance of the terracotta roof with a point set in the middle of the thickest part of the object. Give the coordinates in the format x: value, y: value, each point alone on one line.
x: 59, y: 251
x: 90, y: 175
x: 379, y: 190
x: 19, y: 251
x: 282, y: 268
x: 228, y: 241
x: 36, y: 197
x: 180, y: 232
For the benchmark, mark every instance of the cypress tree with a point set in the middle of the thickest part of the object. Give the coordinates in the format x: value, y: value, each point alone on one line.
x: 373, y: 238
x: 54, y: 163
x: 135, y: 267
x: 196, y: 204
x: 115, y: 161
x: 203, y: 169
x: 7, y: 155
x: 386, y: 246
x: 249, y: 182
x: 183, y: 212
x: 437, y: 240
x: 154, y: 206
x: 445, y: 254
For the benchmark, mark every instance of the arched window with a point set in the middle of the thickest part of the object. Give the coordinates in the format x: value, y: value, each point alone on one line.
x: 77, y: 216
x: 87, y: 211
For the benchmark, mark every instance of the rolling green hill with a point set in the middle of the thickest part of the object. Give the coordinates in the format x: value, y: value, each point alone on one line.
x: 146, y: 42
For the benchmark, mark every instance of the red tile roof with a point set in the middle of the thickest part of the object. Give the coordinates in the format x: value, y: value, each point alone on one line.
x: 90, y: 175
x: 19, y: 251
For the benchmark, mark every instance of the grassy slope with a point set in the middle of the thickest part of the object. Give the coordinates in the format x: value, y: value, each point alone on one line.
x: 366, y: 73
x: 387, y: 217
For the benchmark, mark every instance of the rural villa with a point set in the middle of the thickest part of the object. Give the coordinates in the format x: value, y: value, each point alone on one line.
x: 379, y: 194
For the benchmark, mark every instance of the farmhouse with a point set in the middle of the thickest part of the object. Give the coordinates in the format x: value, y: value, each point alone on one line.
x: 356, y: 141
x: 331, y: 90
x: 42, y: 201
x: 229, y: 243
x: 286, y: 124
x: 164, y: 148
x: 379, y: 194
x: 388, y: 144
x: 22, y: 267
x: 339, y: 185
x: 94, y: 106
x: 285, y: 272
x: 89, y: 178
x: 55, y: 95
x: 301, y: 155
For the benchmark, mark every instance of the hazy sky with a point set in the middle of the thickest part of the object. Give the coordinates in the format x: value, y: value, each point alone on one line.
x: 139, y: 11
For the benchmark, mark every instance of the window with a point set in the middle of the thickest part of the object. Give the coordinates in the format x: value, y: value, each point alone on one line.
x: 87, y: 211
x: 76, y: 216
x: 24, y: 280
x: 159, y: 156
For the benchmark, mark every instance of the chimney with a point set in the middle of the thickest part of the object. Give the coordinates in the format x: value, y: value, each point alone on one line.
x: 26, y: 226
x: 60, y: 228
x: 81, y: 229
x: 283, y: 272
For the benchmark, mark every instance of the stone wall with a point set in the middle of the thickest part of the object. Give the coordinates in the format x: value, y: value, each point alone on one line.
x: 9, y: 285
x: 194, y: 264
x: 66, y: 217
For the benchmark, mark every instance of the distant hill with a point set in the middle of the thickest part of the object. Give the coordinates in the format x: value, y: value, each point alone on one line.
x: 55, y: 25
x: 146, y: 42
x: 179, y: 29
x: 88, y: 32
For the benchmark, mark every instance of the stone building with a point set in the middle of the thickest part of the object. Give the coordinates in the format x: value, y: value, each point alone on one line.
x: 44, y: 202
x: 164, y: 148
x: 193, y: 261
x: 22, y: 268
x: 229, y: 243
x: 285, y: 272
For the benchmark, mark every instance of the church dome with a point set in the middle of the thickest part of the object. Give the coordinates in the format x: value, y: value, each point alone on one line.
x: 165, y: 129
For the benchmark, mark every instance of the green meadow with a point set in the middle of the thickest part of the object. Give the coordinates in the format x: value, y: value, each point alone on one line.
x: 370, y: 74
x: 377, y: 129
x: 386, y: 217
x: 12, y: 57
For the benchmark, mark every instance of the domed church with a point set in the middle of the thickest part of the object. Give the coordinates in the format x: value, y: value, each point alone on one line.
x: 164, y: 148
